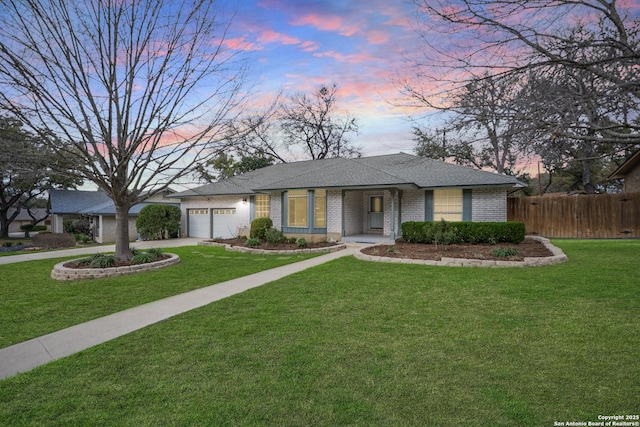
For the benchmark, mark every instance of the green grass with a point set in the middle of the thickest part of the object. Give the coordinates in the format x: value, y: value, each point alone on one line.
x: 359, y: 343
x: 33, y: 304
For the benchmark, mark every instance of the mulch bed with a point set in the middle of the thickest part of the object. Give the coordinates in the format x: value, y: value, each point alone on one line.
x: 402, y: 249
x: 75, y: 264
x: 272, y: 246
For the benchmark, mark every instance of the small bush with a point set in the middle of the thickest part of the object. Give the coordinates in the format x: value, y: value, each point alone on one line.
x: 292, y: 240
x: 156, y: 252
x: 77, y: 226
x: 504, y: 252
x: 104, y: 261
x: 259, y: 227
x: 144, y: 258
x: 252, y: 242
x: 7, y: 244
x: 82, y: 238
x: 53, y: 240
x: 274, y: 236
x: 302, y: 243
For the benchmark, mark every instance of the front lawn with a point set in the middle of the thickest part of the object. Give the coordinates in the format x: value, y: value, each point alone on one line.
x: 360, y: 343
x: 34, y: 304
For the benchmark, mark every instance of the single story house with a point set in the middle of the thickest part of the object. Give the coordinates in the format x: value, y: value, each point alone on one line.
x: 339, y: 199
x: 629, y: 171
x: 24, y: 218
x: 99, y: 209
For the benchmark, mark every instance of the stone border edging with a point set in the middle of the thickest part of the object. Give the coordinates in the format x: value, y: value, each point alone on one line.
x: 245, y: 249
x: 557, y: 258
x: 60, y: 272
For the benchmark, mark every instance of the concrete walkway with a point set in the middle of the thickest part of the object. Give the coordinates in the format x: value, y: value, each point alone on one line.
x: 38, y: 351
x: 88, y: 250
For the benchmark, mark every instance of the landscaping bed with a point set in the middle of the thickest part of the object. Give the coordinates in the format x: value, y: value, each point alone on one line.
x: 529, y: 247
x: 263, y: 245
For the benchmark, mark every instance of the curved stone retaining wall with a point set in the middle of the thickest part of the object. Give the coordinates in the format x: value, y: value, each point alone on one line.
x: 246, y: 249
x: 60, y: 272
x: 558, y: 257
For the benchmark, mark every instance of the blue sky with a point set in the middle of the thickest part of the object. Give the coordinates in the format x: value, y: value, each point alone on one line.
x: 359, y: 45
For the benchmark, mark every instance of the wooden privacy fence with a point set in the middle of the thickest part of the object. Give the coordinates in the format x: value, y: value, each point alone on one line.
x: 591, y: 216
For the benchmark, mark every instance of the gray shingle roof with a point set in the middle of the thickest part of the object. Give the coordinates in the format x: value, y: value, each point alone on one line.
x: 86, y: 203
x: 394, y: 170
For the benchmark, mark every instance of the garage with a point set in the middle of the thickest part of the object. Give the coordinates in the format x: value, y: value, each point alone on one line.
x: 198, y: 225
x: 225, y: 223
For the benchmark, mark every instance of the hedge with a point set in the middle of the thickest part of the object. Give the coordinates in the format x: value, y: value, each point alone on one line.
x: 463, y: 232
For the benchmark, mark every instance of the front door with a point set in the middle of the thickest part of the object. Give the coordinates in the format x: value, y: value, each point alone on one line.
x: 376, y: 212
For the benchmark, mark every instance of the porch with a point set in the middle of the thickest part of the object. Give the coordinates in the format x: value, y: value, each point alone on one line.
x: 367, y: 238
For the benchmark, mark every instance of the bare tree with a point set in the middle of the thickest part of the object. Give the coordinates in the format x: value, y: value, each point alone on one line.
x: 311, y: 122
x: 517, y: 37
x: 299, y: 126
x: 137, y: 92
x: 484, y: 128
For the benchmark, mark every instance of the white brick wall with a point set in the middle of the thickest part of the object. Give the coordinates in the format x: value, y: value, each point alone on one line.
x: 353, y: 212
x: 412, y: 205
x: 275, y: 209
x: 489, y: 205
x: 334, y: 211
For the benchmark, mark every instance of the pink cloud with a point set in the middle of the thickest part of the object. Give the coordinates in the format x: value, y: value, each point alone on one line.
x: 357, y: 58
x: 240, y: 43
x: 270, y: 36
x: 326, y: 23
x: 377, y: 37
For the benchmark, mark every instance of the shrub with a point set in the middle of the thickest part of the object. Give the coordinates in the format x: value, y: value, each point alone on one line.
x: 158, y: 221
x: 292, y: 240
x: 82, y: 238
x: 302, y: 243
x: 144, y: 258
x: 252, y: 242
x: 504, y: 252
x: 156, y: 252
x: 259, y: 227
x: 77, y: 226
x: 104, y: 261
x: 53, y: 240
x: 274, y: 236
x: 463, y: 232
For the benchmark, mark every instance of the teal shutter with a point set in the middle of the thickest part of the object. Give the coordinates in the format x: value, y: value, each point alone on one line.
x: 467, y: 214
x: 428, y: 205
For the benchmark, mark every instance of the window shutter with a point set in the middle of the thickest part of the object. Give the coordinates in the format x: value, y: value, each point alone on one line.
x: 428, y: 205
x: 467, y: 214
x: 252, y: 208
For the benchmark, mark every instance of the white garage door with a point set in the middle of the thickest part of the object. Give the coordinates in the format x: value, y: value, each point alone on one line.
x: 225, y: 224
x: 198, y: 223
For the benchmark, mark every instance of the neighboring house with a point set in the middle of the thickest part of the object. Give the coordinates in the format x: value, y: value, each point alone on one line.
x: 629, y: 171
x: 24, y: 218
x: 338, y: 199
x: 98, y: 208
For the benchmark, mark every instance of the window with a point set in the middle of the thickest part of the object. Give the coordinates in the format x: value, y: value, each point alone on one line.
x: 320, y: 211
x: 297, y: 204
x: 447, y: 205
x: 262, y: 205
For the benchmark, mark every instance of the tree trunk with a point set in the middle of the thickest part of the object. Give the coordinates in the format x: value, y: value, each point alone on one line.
x: 122, y: 233
x: 4, y: 227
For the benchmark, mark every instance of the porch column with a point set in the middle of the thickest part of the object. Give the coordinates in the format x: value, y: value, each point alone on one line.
x: 392, y: 233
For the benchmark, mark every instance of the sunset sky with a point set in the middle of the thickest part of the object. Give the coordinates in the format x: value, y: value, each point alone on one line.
x: 360, y: 45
